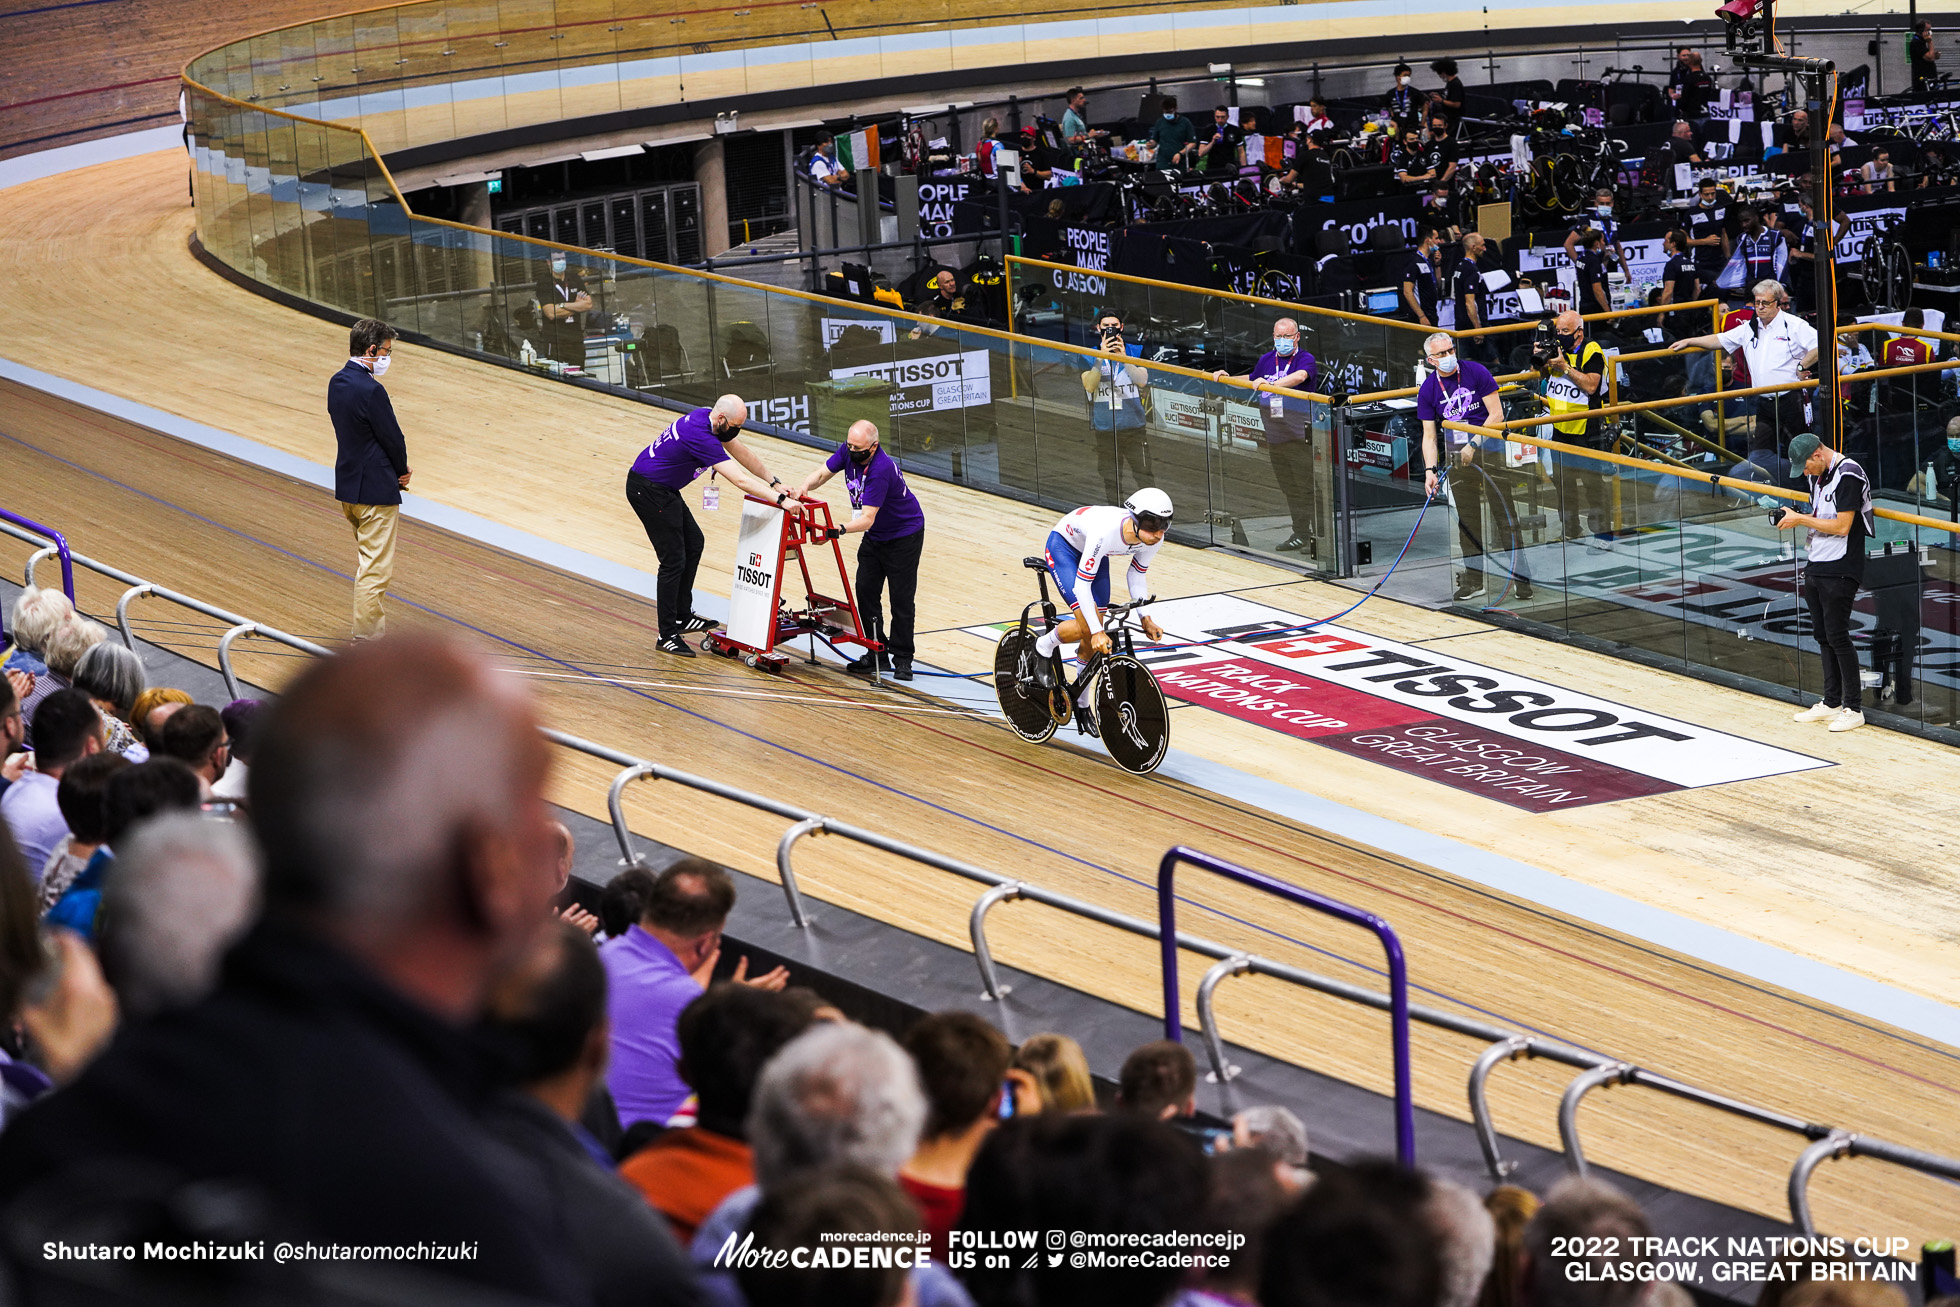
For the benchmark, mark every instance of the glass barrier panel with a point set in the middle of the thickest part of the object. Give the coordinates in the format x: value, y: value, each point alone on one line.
x: 588, y: 55
x: 426, y: 72
x: 530, y: 61
x: 284, y: 249
x: 476, y: 66
x: 300, y: 71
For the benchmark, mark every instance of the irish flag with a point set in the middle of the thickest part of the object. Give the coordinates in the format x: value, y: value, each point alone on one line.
x: 858, y: 149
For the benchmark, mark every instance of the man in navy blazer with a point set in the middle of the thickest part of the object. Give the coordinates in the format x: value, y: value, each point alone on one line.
x: 371, y: 470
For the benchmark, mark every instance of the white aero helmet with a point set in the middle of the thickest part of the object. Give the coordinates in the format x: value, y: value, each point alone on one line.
x: 1151, y: 507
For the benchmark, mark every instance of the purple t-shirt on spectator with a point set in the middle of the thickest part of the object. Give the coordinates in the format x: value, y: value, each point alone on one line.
x: 1285, y: 417
x: 880, y: 485
x: 682, y: 452
x: 646, y: 988
x: 1456, y: 399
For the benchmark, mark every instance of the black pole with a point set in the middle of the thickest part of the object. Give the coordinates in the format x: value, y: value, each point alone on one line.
x: 1823, y: 186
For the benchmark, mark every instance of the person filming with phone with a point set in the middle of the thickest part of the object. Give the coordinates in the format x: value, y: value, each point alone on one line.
x: 1116, y: 394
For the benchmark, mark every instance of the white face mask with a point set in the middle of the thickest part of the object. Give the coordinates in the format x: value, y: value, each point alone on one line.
x: 1401, y: 81
x: 1603, y: 210
x: 375, y: 365
x: 1446, y: 364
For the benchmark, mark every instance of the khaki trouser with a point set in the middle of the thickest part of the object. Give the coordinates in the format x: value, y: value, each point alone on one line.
x: 374, y: 542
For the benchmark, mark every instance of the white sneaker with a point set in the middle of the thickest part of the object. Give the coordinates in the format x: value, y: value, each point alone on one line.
x: 1817, y: 712
x: 1847, y: 719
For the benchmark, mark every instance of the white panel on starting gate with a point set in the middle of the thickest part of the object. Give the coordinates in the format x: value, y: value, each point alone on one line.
x: 758, y: 574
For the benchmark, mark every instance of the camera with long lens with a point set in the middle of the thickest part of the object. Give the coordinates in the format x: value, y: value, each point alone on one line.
x: 1544, y: 346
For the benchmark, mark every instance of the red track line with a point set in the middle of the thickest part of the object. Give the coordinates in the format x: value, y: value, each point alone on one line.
x: 93, y: 90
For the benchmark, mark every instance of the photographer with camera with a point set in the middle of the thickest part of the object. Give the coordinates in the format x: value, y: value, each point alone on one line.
x: 1778, y: 347
x: 1839, y: 519
x: 1572, y: 372
x: 1478, y: 476
x: 1115, y: 392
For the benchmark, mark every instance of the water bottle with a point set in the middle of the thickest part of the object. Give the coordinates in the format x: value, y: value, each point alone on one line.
x: 526, y: 355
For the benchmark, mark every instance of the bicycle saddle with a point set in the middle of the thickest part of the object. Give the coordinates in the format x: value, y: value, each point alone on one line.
x: 1035, y: 564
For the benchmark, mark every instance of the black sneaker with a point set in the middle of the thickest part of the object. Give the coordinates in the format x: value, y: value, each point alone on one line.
x: 696, y: 623
x: 861, y: 665
x: 902, y: 669
x: 1524, y: 588
x: 1293, y: 544
x: 673, y: 644
x: 1467, y: 585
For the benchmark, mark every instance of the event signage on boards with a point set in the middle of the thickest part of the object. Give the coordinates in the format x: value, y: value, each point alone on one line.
x: 1646, y: 260
x: 932, y: 383
x: 1528, y: 743
x: 758, y: 559
x: 1090, y: 247
x: 937, y: 218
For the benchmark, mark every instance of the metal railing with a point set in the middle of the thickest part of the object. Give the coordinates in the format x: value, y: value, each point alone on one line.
x: 1398, y: 971
x: 1503, y: 1045
x: 60, y: 547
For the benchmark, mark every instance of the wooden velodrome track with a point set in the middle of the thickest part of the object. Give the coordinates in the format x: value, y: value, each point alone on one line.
x: 119, y: 304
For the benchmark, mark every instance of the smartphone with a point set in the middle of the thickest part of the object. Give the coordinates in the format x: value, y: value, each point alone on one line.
x: 1006, y: 1100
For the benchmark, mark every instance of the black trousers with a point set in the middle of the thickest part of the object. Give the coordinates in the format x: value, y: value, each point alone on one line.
x: 1584, y: 485
x: 1485, y: 481
x: 894, y: 563
x: 1128, y: 448
x: 1293, y: 469
x: 677, y: 542
x: 1830, y: 599
x: 1778, y: 418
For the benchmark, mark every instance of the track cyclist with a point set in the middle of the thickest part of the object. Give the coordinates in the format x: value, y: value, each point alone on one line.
x: 1079, y: 551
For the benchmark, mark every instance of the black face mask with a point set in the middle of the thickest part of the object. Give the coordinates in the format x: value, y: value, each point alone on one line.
x: 860, y: 457
x: 725, y: 434
x: 1568, y: 343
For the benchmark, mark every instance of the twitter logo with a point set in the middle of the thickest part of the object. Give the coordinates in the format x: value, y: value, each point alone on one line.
x: 1054, y: 1260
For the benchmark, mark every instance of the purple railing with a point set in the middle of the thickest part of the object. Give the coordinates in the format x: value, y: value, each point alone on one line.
x: 60, y: 547
x: 1398, y: 971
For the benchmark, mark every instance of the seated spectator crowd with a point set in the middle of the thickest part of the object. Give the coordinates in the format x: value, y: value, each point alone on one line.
x: 355, y: 1010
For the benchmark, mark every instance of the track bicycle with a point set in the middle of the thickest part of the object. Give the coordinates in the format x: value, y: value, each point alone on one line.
x: 1128, y: 710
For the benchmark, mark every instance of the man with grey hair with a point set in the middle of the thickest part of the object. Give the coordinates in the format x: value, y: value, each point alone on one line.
x: 703, y: 440
x: 1465, y: 1237
x: 1779, y: 348
x: 836, y: 1096
x: 331, y: 1081
x: 1576, y: 1211
x: 1289, y: 367
x: 184, y: 890
x: 894, y: 526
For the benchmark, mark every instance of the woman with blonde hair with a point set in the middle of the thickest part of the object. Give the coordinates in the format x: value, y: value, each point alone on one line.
x: 1060, y: 1072
x: 1512, y: 1209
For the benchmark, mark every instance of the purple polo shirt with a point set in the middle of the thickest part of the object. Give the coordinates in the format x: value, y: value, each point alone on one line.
x: 682, y: 452
x: 646, y: 988
x: 1456, y: 399
x: 1285, y: 418
x: 880, y: 485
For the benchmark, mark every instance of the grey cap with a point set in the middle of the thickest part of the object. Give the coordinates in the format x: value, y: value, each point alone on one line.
x: 1802, y: 446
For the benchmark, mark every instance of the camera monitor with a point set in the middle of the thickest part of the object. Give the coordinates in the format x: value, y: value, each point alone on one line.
x: 1385, y: 300
x: 1530, y: 301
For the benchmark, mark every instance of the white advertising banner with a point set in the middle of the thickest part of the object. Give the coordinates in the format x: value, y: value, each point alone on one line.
x: 932, y: 384
x: 758, y: 575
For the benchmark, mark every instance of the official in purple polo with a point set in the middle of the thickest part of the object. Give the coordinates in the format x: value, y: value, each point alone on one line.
x: 370, y: 469
x: 1285, y: 421
x: 894, y: 529
x: 705, y: 440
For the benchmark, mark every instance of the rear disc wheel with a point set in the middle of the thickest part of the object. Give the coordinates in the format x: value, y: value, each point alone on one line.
x: 1133, y: 715
x: 1028, y: 713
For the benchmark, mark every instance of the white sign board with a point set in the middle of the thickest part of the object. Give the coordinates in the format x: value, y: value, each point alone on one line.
x: 932, y: 384
x: 758, y: 575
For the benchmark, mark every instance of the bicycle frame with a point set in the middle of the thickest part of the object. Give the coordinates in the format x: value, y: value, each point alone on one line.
x: 1121, y: 640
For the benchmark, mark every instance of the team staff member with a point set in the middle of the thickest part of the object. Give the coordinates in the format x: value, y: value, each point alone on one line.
x: 1422, y: 276
x: 1218, y: 148
x: 1921, y: 57
x: 370, y: 468
x: 823, y: 162
x: 1839, y: 519
x: 1173, y: 135
x: 1779, y: 348
x: 1588, y: 252
x: 707, y: 439
x: 1077, y: 135
x: 1679, y: 284
x: 894, y: 527
x: 563, y: 302
x: 1448, y: 102
x: 1572, y: 386
x: 1402, y: 101
x: 1472, y: 299
x: 1601, y: 220
x: 1708, y: 231
x: 1285, y: 421
x: 1760, y: 251
x: 1449, y: 394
